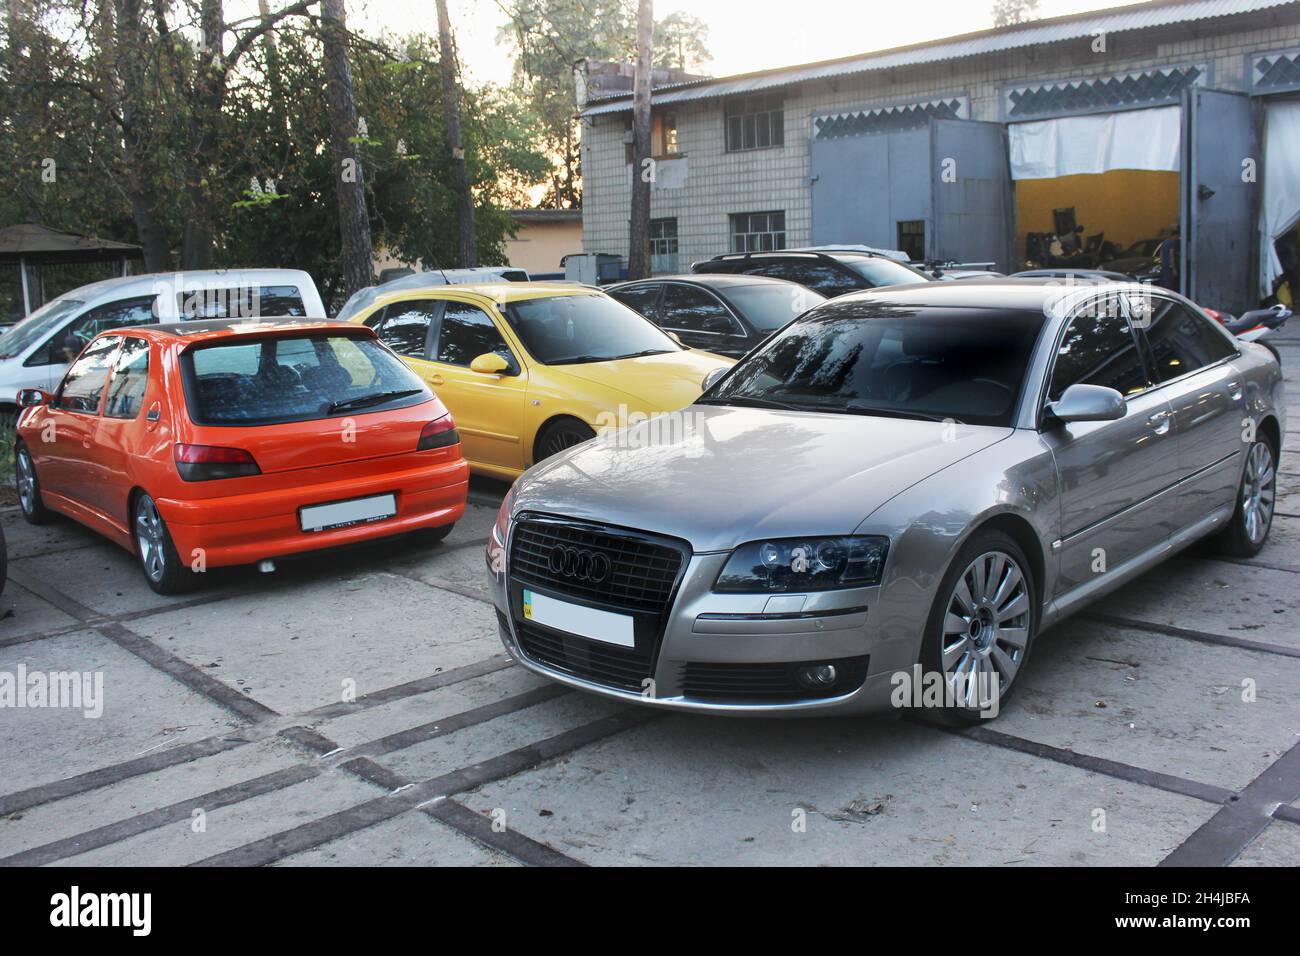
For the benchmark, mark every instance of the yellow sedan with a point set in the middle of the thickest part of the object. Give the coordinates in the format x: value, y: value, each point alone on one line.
x: 528, y: 369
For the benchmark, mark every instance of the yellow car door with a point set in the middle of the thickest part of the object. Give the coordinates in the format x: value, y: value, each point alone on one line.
x: 488, y: 404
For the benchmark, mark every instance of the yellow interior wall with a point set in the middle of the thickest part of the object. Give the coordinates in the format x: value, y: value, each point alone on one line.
x: 1125, y: 204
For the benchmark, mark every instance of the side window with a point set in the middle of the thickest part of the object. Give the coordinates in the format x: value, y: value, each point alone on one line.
x: 1179, y: 341
x: 465, y: 333
x: 642, y: 298
x: 695, y: 311
x: 1098, y: 350
x: 405, y: 327
x: 829, y: 280
x: 84, y: 383
x: 130, y: 377
x: 66, y: 344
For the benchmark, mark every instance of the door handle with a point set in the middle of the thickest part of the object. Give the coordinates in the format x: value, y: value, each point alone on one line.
x: 1235, y: 391
x: 1160, y: 422
x: 435, y: 379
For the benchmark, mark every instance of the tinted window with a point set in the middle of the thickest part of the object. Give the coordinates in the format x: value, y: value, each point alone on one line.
x: 66, y: 344
x: 1179, y: 341
x: 824, y: 277
x: 84, y: 383
x: 1098, y: 350
x: 880, y: 272
x: 130, y: 377
x: 466, y: 332
x: 641, y: 297
x: 564, y: 329
x: 875, y: 358
x: 236, y: 302
x: 771, y: 305
x: 297, y: 378
x: 405, y: 326
x: 694, y: 310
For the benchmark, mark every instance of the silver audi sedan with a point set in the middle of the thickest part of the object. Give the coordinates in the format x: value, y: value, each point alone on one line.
x: 887, y: 502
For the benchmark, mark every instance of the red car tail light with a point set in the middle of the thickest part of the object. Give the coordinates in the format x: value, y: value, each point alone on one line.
x: 439, y: 433
x: 207, y: 462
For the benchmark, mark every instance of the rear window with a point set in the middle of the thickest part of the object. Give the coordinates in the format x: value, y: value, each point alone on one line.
x: 242, y: 302
x: 293, y: 379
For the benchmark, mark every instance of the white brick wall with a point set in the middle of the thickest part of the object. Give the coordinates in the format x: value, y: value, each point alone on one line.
x: 721, y: 183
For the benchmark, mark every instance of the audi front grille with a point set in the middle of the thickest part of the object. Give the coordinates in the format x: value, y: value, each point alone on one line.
x: 624, y: 571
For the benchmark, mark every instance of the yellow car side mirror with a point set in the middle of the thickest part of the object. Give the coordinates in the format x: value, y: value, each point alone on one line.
x: 489, y: 363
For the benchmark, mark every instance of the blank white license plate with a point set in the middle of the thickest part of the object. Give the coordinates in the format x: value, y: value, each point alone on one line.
x: 588, y: 622
x: 340, y: 514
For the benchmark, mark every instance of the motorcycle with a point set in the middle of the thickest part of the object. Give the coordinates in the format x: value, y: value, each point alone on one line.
x: 1255, y: 325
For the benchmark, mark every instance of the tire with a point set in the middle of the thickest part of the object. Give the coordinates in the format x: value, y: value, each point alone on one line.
x: 162, y: 567
x: 559, y: 435
x: 999, y: 620
x: 431, y: 536
x: 1256, y: 497
x: 28, y: 485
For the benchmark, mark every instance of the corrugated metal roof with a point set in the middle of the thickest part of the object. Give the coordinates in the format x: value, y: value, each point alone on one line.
x: 1056, y: 30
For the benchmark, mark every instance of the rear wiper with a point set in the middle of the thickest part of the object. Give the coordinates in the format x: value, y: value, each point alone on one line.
x: 361, y: 401
x: 748, y: 402
x: 856, y: 409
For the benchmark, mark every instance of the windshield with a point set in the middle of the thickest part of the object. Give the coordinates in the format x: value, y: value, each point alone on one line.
x: 294, y: 379
x: 568, y: 329
x: 884, y: 271
x: 874, y: 358
x: 36, y: 326
x: 769, y: 306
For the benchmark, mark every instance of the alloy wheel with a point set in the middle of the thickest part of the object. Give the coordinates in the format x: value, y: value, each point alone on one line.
x: 1258, y: 491
x: 26, y: 480
x: 150, y: 538
x: 986, y: 629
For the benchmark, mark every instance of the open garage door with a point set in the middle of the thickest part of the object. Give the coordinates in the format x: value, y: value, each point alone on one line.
x: 971, y: 190
x: 1219, y: 209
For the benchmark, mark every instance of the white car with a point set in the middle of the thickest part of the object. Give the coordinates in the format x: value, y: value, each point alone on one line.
x: 37, y: 351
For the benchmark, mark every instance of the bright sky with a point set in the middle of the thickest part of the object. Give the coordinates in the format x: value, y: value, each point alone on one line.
x: 744, y: 35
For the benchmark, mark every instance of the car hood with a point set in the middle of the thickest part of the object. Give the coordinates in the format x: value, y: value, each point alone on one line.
x: 718, y: 476
x: 653, y: 383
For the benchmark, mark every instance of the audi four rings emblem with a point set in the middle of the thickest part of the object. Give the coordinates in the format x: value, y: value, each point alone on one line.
x: 590, y: 566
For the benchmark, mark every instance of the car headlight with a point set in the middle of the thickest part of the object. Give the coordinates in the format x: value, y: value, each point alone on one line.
x: 804, y: 564
x: 501, y: 530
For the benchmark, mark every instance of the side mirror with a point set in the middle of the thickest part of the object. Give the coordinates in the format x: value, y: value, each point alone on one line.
x: 712, y: 378
x: 674, y: 336
x: 29, y: 397
x: 489, y: 363
x: 1088, y: 403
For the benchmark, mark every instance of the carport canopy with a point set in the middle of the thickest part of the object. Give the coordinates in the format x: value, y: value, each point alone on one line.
x: 1097, y: 143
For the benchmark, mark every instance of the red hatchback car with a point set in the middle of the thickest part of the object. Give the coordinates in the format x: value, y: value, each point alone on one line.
x: 200, y: 444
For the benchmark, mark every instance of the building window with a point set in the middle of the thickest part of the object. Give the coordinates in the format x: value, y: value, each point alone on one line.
x: 755, y: 122
x: 757, y: 231
x: 911, y: 238
x: 663, y: 246
x: 663, y: 138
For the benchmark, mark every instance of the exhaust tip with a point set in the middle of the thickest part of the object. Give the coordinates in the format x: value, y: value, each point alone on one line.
x: 266, y: 567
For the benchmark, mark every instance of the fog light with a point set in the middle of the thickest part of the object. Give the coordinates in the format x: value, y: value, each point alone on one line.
x: 818, y: 677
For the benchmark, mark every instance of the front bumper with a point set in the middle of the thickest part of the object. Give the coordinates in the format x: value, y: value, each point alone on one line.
x: 709, y: 641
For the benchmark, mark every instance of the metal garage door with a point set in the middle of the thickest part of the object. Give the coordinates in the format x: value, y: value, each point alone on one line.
x: 862, y: 186
x: 971, y: 189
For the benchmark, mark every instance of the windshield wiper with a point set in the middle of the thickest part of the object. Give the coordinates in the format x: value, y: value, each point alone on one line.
x: 746, y: 401
x: 643, y: 353
x: 361, y: 401
x: 854, y: 408
x: 580, y: 360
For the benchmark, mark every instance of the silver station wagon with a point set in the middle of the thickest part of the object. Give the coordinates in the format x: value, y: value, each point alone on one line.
x: 902, y: 486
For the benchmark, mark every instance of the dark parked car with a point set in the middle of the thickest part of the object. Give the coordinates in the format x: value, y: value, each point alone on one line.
x: 830, y: 273
x: 1139, y: 261
x: 726, y: 314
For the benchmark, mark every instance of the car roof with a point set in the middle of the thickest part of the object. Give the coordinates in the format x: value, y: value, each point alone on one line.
x: 202, y: 330
x: 501, y: 292
x: 717, y: 280
x: 1027, y: 294
x: 148, y: 282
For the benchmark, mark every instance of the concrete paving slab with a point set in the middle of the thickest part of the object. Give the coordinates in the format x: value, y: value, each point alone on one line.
x: 228, y: 827
x: 84, y: 812
x: 292, y: 648
x: 1157, y: 702
x: 143, y: 709
x: 475, y: 744
x: 23, y: 614
x: 1278, y: 845
x: 412, y: 839
x: 28, y: 540
x: 1217, y: 597
x: 687, y: 790
x: 371, y: 724
x: 474, y: 526
x: 463, y: 567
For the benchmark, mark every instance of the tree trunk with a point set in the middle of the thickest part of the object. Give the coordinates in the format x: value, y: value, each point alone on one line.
x: 206, y: 100
x: 638, y: 253
x: 354, y: 222
x: 125, y: 62
x: 451, y: 111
